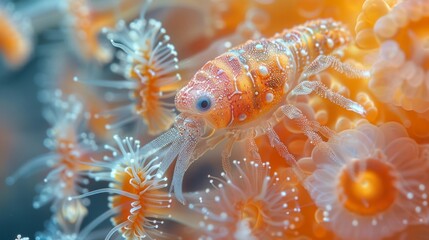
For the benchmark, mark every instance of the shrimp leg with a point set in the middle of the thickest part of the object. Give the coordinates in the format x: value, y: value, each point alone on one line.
x: 320, y: 64
x: 323, y: 62
x: 306, y: 126
x: 283, y: 151
x: 253, y: 148
x: 226, y: 153
x: 306, y: 87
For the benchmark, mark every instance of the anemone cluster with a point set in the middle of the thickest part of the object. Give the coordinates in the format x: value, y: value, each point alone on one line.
x: 123, y: 85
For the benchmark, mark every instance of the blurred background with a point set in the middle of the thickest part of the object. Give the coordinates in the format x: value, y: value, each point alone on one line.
x: 46, y: 54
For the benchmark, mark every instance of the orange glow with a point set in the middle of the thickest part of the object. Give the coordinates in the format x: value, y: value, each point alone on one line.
x: 14, y: 44
x: 136, y: 183
x: 368, y: 191
x: 251, y: 212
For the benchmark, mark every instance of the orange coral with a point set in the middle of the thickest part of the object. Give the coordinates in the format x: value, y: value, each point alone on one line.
x: 15, y: 39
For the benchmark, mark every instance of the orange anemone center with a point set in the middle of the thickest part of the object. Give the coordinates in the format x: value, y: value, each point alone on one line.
x: 135, y: 182
x: 367, y: 187
x: 251, y: 212
x: 124, y: 183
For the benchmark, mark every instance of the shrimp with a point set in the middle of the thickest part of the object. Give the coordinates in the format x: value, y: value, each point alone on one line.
x: 245, y: 92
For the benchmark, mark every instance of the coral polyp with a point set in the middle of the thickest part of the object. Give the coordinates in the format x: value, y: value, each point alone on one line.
x: 149, y: 64
x: 137, y: 194
x: 367, y: 177
x: 245, y: 92
x: 70, y: 149
x: 139, y: 202
x: 150, y: 61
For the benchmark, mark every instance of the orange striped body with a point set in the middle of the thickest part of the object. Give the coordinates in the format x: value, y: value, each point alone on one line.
x: 251, y: 81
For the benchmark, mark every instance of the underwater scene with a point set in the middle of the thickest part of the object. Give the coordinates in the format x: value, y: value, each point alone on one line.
x: 214, y: 119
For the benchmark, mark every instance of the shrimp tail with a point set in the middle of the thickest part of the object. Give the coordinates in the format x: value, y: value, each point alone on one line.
x: 183, y: 140
x: 182, y: 164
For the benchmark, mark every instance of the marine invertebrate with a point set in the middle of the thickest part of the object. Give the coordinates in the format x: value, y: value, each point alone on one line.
x: 69, y: 148
x: 149, y: 64
x: 138, y: 204
x: 244, y: 92
x: 250, y: 202
x: 369, y: 177
x: 401, y: 80
x: 372, y: 10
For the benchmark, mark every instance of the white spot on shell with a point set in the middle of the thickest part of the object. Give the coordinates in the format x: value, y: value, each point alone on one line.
x: 269, y: 97
x: 263, y: 70
x: 227, y: 44
x: 242, y: 117
x: 330, y: 43
x: 418, y: 209
x: 259, y: 47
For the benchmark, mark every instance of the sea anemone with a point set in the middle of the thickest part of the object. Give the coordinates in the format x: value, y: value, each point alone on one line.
x: 369, y: 182
x: 149, y: 64
x: 139, y: 204
x: 251, y: 202
x: 70, y: 148
x: 86, y: 19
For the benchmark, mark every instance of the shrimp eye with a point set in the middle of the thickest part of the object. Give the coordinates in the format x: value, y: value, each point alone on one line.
x: 203, y: 103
